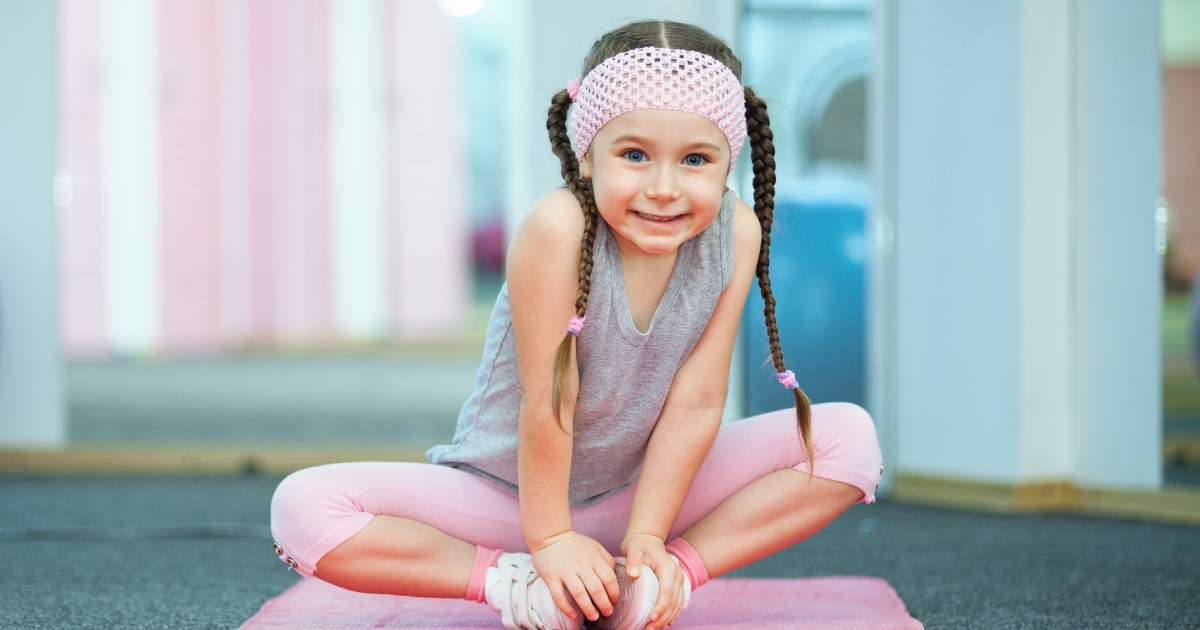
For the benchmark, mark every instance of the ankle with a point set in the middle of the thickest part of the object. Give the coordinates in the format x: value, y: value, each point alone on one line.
x: 484, y: 559
x: 689, y: 561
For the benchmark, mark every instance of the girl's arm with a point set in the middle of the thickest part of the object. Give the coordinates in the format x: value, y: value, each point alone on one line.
x: 543, y: 278
x: 688, y: 424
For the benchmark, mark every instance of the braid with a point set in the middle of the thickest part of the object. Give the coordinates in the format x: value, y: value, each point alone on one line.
x: 762, y: 156
x: 560, y: 142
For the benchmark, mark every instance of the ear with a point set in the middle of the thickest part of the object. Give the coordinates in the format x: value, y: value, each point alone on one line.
x: 585, y: 166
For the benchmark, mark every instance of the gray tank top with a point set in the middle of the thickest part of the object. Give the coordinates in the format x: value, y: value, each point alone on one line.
x: 624, y: 374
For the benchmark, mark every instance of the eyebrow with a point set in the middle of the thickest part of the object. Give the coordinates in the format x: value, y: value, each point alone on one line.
x: 641, y: 140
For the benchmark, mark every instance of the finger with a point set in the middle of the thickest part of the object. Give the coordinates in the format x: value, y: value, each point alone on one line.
x: 575, y: 586
x: 672, y: 611
x: 666, y: 596
x: 599, y: 594
x: 633, y: 563
x: 678, y: 604
x: 559, y: 595
x: 608, y: 577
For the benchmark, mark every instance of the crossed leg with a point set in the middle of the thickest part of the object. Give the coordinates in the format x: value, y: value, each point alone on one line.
x: 749, y: 500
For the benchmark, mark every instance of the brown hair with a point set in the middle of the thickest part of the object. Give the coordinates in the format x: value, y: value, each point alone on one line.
x: 680, y: 36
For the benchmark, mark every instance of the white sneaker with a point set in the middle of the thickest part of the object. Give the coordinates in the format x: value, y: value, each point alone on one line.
x: 637, y: 597
x: 515, y: 590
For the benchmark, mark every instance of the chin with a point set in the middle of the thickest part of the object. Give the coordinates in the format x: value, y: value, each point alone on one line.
x: 656, y: 246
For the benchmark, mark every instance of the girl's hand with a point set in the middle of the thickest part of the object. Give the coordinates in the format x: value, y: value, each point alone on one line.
x: 648, y: 549
x: 571, y: 562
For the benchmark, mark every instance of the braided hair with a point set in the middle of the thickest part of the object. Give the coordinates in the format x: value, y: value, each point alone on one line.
x: 676, y: 35
x: 560, y: 141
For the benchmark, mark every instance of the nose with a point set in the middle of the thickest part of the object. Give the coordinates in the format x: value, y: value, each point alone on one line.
x: 662, y: 183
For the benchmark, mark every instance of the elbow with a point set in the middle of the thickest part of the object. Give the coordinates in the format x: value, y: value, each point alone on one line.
x: 699, y: 401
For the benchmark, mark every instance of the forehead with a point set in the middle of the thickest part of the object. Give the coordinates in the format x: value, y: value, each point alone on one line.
x: 664, y: 127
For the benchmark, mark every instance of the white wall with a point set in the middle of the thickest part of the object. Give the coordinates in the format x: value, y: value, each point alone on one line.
x: 1016, y: 316
x: 31, y: 398
x: 956, y: 237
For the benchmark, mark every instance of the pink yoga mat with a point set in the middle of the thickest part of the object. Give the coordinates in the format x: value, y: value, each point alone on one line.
x: 827, y: 603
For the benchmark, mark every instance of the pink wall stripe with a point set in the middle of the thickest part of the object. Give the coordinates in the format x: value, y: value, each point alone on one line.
x: 287, y: 308
x: 81, y: 224
x: 189, y: 176
x: 301, y: 306
x: 245, y: 190
x: 429, y: 272
x: 233, y: 36
x: 318, y: 303
x: 264, y: 33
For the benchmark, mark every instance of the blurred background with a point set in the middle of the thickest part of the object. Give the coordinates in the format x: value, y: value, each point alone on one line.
x: 282, y: 223
x: 287, y: 221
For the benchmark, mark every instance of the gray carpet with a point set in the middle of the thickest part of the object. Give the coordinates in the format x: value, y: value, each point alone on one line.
x: 953, y: 569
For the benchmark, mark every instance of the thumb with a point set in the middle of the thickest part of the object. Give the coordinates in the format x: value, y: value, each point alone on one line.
x: 633, y: 564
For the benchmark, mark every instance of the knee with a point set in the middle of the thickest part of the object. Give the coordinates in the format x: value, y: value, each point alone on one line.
x: 295, y: 497
x: 854, y: 421
x: 847, y: 433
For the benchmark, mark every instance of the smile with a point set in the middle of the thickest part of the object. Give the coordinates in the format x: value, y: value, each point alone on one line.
x: 656, y: 219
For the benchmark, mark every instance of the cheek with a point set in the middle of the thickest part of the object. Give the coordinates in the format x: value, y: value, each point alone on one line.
x: 614, y: 188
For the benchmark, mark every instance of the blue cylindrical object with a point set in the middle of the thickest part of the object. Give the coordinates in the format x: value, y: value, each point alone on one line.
x: 817, y: 271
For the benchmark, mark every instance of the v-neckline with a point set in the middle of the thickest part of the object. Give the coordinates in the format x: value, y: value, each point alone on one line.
x: 683, y: 261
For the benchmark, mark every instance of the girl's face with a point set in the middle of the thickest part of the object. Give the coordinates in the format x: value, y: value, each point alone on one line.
x: 657, y: 176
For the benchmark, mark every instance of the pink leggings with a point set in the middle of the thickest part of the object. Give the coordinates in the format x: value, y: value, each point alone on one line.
x: 317, y: 509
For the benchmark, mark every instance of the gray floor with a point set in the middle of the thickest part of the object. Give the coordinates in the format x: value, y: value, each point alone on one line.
x: 953, y: 569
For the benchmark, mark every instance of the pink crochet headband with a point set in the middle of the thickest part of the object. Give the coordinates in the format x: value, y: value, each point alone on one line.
x: 658, y: 78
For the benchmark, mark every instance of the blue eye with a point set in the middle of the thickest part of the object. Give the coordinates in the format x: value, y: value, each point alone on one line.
x: 634, y: 155
x: 695, y: 159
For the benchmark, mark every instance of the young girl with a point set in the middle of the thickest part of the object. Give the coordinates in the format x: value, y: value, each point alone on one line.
x: 607, y: 441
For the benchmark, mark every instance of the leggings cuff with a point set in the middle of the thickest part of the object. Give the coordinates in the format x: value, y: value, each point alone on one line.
x: 690, y: 561
x: 484, y: 559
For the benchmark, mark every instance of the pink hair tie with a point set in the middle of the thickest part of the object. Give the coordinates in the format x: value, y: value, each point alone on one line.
x: 575, y: 326
x: 573, y: 87
x: 788, y: 379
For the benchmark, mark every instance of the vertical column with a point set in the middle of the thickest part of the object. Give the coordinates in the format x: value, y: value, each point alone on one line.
x: 78, y: 184
x: 522, y: 127
x: 427, y: 228
x: 31, y: 389
x: 1027, y: 284
x: 957, y: 195
x: 129, y: 109
x: 190, y: 193
x: 1046, y: 401
x: 1119, y: 271
x: 358, y: 154
x: 882, y: 352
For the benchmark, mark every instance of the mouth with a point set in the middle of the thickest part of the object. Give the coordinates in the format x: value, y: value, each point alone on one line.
x: 657, y: 219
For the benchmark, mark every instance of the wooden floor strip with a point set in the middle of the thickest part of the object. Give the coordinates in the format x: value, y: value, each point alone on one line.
x: 1179, y: 505
x: 197, y: 459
